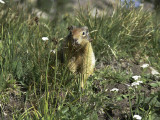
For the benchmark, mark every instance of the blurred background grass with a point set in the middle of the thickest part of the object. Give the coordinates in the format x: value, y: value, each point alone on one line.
x: 33, y: 83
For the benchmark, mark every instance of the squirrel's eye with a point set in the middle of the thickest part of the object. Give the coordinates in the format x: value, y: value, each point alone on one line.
x: 83, y: 33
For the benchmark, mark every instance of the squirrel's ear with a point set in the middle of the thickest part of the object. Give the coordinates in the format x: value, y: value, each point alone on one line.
x: 70, y: 28
x: 85, y: 28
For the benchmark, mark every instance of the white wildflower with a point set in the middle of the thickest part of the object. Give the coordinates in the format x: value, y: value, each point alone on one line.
x: 106, y: 90
x: 137, y: 117
x: 154, y: 72
x: 127, y: 85
x: 139, y: 81
x: 114, y: 89
x: 145, y: 65
x: 45, y: 38
x: 5, y: 114
x: 136, y: 77
x: 53, y: 51
x: 136, y: 83
x: 1, y: 1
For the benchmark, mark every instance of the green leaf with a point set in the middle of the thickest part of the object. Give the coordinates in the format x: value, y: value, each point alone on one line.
x: 65, y: 109
x: 157, y: 84
x: 94, y: 116
x: 19, y: 70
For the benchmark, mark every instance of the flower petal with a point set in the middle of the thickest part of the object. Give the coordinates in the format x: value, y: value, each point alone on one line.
x: 145, y: 65
x: 45, y: 38
x: 1, y: 1
x: 136, y: 77
x: 137, y: 117
x: 114, y: 89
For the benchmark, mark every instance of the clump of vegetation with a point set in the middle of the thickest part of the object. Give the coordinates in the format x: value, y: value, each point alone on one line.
x: 34, y: 84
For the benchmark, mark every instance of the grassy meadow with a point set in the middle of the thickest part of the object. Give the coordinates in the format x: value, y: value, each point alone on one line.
x: 34, y: 85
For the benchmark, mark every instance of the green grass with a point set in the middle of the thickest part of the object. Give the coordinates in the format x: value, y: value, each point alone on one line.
x: 34, y: 84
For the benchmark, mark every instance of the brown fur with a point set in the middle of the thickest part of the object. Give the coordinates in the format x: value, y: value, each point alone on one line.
x: 78, y: 53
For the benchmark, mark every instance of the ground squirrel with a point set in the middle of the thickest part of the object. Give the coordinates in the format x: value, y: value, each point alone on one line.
x: 78, y: 52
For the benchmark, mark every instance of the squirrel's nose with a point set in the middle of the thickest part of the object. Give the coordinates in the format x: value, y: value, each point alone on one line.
x: 75, y: 41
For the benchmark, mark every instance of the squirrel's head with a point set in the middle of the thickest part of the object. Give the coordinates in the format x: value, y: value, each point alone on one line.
x: 79, y: 36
